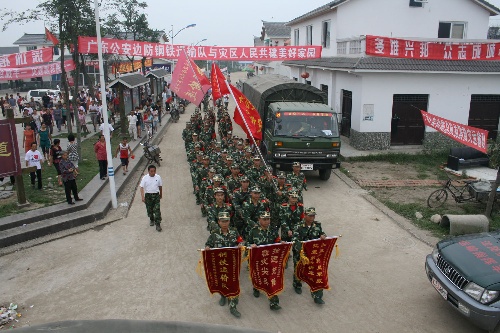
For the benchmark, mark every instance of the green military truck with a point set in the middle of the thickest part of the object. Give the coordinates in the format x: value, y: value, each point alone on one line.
x: 297, y: 124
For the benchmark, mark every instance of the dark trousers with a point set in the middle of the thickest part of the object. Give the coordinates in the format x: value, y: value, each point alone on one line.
x: 70, y: 187
x: 103, y: 168
x: 38, y: 176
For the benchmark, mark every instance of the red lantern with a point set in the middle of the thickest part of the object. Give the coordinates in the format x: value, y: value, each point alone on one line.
x: 261, y: 68
x: 304, y: 75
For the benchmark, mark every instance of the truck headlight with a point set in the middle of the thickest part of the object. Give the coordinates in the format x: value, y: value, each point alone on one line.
x: 435, y: 254
x: 474, y: 291
x: 331, y: 155
x: 279, y: 154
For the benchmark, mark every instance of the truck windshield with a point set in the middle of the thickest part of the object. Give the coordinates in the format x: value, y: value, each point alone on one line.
x: 322, y: 124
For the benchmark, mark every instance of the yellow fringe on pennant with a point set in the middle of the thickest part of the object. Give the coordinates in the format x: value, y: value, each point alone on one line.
x: 337, y: 251
x: 303, y: 259
x: 199, y: 267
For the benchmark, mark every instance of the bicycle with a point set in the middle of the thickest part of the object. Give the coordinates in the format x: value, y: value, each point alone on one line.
x: 438, y: 197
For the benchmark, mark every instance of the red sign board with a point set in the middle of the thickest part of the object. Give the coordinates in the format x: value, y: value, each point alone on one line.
x: 315, y: 273
x: 470, y: 136
x: 7, y: 74
x: 24, y: 59
x: 10, y: 164
x: 222, y: 270
x: 267, y: 264
x: 88, y: 45
x: 433, y: 50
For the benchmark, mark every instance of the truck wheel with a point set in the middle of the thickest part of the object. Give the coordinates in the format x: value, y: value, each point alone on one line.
x: 324, y: 174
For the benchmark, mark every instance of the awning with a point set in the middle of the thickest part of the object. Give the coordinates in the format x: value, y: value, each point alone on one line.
x: 157, y: 73
x: 129, y: 81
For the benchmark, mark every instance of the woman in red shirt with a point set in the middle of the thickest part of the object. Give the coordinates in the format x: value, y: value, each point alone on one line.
x: 102, y: 158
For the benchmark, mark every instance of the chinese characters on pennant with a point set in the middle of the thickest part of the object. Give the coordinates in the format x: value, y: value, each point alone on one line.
x: 10, y: 163
x: 88, y: 45
x: 470, y: 136
x: 222, y: 270
x: 413, y: 49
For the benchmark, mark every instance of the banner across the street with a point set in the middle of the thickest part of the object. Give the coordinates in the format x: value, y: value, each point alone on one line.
x: 88, y: 45
x: 222, y: 270
x: 267, y: 264
x: 314, y: 271
x: 432, y: 50
x: 470, y: 136
x: 35, y: 71
x: 24, y: 59
x: 10, y: 165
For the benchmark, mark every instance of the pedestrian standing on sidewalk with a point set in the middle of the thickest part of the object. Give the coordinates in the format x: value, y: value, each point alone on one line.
x: 58, y: 118
x: 124, y: 152
x: 28, y: 137
x: 35, y: 158
x: 102, y: 158
x: 151, y: 193
x: 45, y: 140
x: 132, y: 125
x: 69, y: 179
x: 73, y: 152
x: 55, y: 158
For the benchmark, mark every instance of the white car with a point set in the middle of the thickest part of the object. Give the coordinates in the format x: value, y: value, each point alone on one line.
x: 37, y: 94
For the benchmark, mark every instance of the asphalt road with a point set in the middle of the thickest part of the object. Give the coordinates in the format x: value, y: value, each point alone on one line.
x: 128, y: 270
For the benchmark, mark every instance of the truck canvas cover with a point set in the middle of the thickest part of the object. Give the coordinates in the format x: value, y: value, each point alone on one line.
x: 265, y: 89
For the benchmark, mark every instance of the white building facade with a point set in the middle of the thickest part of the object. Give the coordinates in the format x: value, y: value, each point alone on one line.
x: 379, y: 99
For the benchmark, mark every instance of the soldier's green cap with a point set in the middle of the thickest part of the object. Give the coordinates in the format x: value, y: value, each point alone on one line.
x: 265, y: 215
x: 310, y: 211
x: 248, y: 149
x: 244, y: 179
x: 224, y: 215
x: 256, y: 158
x: 269, y: 168
x: 296, y: 164
x: 240, y: 143
x: 194, y: 134
x: 211, y: 170
x: 229, y: 158
x: 229, y: 132
x: 197, y: 145
x: 235, y: 166
x: 199, y: 153
x: 224, y: 151
x: 255, y: 189
x: 293, y: 194
x: 217, y: 178
x: 281, y: 174
x: 188, y: 122
x: 217, y: 144
x: 206, y: 157
x: 218, y: 190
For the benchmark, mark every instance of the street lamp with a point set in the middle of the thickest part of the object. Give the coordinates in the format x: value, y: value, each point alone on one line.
x: 172, y: 31
x: 201, y: 41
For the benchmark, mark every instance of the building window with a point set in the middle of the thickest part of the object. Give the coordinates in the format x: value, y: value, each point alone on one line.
x: 31, y: 48
x: 56, y: 51
x: 342, y: 48
x: 309, y: 35
x: 325, y: 34
x: 308, y: 82
x: 414, y: 3
x: 295, y: 79
x: 354, y: 47
x: 296, y: 37
x: 324, y: 87
x: 452, y: 30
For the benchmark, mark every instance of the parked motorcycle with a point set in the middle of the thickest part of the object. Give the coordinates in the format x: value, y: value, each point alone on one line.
x: 174, y: 113
x: 151, y: 152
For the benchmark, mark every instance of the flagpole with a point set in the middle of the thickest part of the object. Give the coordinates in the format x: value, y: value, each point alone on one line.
x: 111, y: 170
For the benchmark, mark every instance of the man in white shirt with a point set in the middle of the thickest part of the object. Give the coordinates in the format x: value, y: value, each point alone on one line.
x: 151, y: 193
x: 111, y: 129
x: 34, y: 158
x: 132, y: 124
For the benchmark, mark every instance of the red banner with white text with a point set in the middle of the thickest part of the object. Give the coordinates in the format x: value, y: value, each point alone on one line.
x: 470, y: 136
x: 88, y: 45
x: 35, y: 71
x: 248, y: 115
x: 222, y: 270
x: 267, y: 265
x: 24, y: 59
x: 314, y: 269
x: 185, y: 82
x: 432, y: 50
x: 10, y: 165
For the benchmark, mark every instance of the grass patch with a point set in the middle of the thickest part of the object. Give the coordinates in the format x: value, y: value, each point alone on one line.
x: 49, y: 196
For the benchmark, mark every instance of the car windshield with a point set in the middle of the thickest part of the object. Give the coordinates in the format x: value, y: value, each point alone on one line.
x: 322, y: 124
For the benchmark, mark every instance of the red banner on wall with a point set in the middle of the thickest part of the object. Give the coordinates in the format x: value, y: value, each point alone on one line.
x: 126, y: 66
x: 315, y: 272
x: 10, y: 164
x: 470, y: 136
x: 29, y: 58
x: 88, y: 45
x: 415, y: 49
x: 267, y: 264
x: 222, y: 270
x: 7, y: 74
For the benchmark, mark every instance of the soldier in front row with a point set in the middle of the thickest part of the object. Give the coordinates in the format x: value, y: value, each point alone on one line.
x: 262, y: 234
x: 225, y: 237
x: 307, y: 230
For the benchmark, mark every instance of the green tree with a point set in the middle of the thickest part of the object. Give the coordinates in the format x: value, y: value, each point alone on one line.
x: 494, y: 154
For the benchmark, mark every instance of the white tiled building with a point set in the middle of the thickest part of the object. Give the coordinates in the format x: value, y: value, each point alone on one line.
x: 378, y: 98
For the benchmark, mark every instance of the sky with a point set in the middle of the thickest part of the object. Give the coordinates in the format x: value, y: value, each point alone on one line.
x: 220, y: 22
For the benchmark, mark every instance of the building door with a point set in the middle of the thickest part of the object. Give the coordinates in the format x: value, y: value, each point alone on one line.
x: 407, y: 125
x: 345, y: 128
x: 484, y: 113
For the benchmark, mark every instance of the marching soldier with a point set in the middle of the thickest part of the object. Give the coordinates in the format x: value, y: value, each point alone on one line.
x: 262, y: 234
x: 307, y: 230
x: 291, y: 214
x: 255, y: 172
x: 217, y: 207
x: 225, y: 237
x: 297, y: 179
x: 279, y: 196
x: 233, y: 180
x: 187, y: 135
x: 206, y: 183
x: 239, y: 196
x: 252, y: 208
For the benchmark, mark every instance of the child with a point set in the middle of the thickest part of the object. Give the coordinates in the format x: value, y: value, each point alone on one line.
x: 123, y: 150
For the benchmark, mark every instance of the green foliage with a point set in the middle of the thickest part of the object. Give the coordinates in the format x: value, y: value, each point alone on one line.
x: 494, y: 153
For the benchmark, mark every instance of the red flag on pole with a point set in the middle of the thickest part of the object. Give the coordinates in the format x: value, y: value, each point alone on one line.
x: 185, y: 82
x: 50, y: 37
x: 313, y: 270
x: 222, y: 270
x: 267, y: 265
x: 250, y: 115
x: 219, y: 86
x: 202, y: 78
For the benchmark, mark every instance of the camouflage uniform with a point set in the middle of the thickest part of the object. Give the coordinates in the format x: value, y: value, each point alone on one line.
x: 302, y: 233
x: 213, y: 213
x: 233, y: 182
x: 299, y: 182
x: 152, y: 201
x: 254, y: 174
x: 238, y: 198
x: 251, y: 212
x: 290, y: 217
